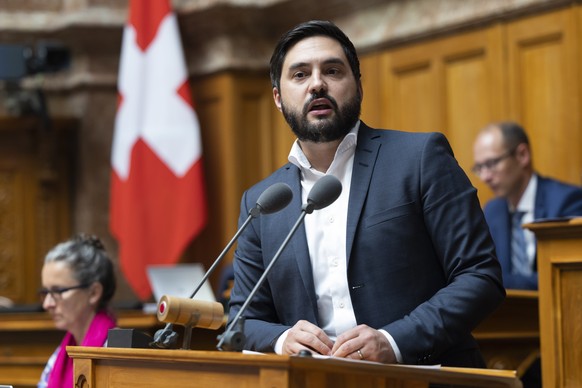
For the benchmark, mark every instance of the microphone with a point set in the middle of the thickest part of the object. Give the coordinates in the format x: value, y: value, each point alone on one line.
x: 193, y: 312
x: 324, y: 192
x: 273, y: 199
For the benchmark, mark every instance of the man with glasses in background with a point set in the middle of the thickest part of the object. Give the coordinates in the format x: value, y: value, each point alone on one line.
x: 503, y: 160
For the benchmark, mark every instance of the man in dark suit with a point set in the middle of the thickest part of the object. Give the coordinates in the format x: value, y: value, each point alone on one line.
x: 503, y: 161
x: 401, y: 267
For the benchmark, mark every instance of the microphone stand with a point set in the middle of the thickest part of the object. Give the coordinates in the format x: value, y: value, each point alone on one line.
x: 234, y: 340
x: 325, y: 191
x: 273, y: 199
x: 166, y: 337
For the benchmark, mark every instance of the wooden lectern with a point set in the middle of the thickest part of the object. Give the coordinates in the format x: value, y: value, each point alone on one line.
x: 117, y: 367
x: 560, y: 301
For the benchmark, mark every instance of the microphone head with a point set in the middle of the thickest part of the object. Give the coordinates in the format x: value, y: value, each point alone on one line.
x: 274, y: 198
x: 326, y: 190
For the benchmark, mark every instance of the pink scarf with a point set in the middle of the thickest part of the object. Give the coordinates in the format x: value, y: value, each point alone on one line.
x: 62, y: 372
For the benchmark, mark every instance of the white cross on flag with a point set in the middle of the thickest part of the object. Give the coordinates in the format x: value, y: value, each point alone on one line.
x: 158, y: 199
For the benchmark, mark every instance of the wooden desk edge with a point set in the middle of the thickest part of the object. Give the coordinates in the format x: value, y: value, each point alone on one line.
x: 43, y: 321
x: 521, y: 294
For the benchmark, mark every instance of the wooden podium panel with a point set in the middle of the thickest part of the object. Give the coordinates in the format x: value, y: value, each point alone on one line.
x: 560, y: 301
x: 116, y: 367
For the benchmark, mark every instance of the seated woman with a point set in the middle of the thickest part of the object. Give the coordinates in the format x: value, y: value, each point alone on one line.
x: 78, y: 283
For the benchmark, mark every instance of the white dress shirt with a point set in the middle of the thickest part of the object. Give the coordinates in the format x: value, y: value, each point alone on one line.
x: 326, y: 239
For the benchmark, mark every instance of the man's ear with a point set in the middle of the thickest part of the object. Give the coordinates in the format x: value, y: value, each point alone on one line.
x: 277, y: 98
x: 523, y: 154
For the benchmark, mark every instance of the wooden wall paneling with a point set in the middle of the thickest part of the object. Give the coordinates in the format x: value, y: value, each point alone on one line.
x: 453, y: 85
x: 372, y: 104
x: 283, y: 137
x: 544, y: 89
x: 16, y: 218
x: 255, y: 133
x: 240, y: 146
x: 214, y: 102
x: 35, y: 179
x: 385, y: 94
x: 578, y: 85
x: 55, y: 169
x: 474, y: 92
x: 413, y: 97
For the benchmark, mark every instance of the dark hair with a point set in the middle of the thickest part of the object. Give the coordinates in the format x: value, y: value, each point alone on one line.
x: 307, y: 30
x: 513, y: 134
x: 89, y: 262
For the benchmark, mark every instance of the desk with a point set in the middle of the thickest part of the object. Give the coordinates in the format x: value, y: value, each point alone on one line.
x: 510, y: 337
x: 28, y: 339
x: 115, y: 367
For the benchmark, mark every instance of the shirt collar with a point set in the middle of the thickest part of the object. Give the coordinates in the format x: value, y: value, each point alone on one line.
x: 349, y: 142
x: 527, y: 201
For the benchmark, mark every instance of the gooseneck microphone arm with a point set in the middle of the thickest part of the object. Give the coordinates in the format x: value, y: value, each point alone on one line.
x: 234, y: 340
x: 225, y: 251
x: 325, y: 191
x: 273, y: 199
x: 166, y: 337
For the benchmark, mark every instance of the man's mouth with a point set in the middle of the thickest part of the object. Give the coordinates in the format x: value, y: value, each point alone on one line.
x: 320, y: 105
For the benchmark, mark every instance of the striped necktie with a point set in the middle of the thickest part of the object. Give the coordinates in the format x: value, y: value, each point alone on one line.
x: 519, y: 261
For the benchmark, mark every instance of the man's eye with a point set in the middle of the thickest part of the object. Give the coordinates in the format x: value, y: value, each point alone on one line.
x: 299, y: 75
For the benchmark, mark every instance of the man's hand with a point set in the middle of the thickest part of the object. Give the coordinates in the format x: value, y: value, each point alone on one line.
x: 364, y: 343
x: 305, y: 335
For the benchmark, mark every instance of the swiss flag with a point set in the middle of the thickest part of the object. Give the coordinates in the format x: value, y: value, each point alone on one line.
x: 158, y: 201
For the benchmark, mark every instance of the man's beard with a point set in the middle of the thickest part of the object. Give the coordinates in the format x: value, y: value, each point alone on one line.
x: 325, y: 129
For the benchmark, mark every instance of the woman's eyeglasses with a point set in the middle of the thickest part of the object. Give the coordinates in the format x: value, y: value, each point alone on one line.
x: 57, y: 292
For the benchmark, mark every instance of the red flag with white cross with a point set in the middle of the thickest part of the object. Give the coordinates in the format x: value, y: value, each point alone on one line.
x: 158, y: 202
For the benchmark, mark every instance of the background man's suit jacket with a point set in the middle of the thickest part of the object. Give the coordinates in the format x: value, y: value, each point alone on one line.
x: 421, y: 262
x: 553, y: 199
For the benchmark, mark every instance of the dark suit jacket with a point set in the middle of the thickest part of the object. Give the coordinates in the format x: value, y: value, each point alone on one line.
x: 553, y: 199
x: 421, y: 262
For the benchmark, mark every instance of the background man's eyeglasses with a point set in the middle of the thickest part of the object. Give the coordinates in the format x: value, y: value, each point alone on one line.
x: 57, y: 292
x: 490, y: 164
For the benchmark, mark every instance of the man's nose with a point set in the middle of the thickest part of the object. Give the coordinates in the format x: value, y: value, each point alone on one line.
x: 317, y: 83
x: 486, y: 175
